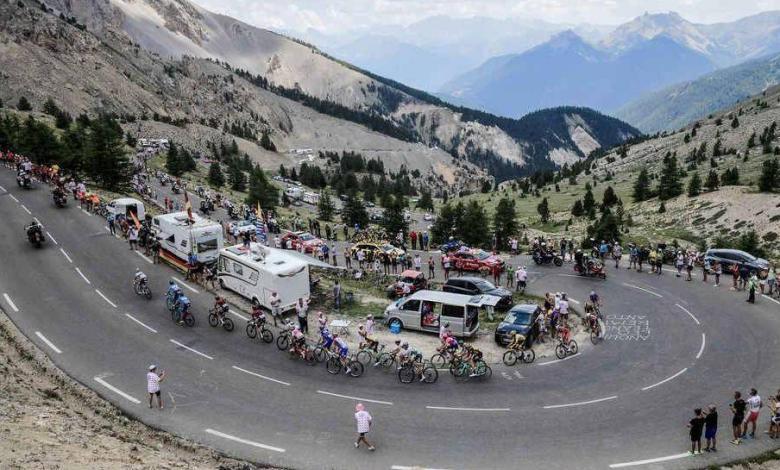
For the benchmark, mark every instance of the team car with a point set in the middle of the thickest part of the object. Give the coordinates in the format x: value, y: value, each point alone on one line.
x: 310, y: 242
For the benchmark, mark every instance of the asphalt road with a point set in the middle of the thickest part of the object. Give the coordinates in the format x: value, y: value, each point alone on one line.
x: 673, y: 346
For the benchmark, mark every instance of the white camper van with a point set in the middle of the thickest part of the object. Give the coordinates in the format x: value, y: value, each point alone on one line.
x: 256, y: 272
x: 124, y: 206
x: 180, y: 237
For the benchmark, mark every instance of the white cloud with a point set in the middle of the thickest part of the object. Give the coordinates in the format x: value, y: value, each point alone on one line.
x: 334, y: 16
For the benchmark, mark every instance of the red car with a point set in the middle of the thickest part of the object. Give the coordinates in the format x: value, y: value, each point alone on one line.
x: 296, y: 239
x: 474, y: 260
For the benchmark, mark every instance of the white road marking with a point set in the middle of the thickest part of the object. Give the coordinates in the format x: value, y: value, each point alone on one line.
x: 48, y: 343
x: 26, y: 209
x: 233, y: 312
x: 416, y: 467
x: 703, y: 342
x: 66, y: 256
x: 598, y: 400
x: 260, y: 376
x: 665, y: 380
x: 453, y: 408
x: 10, y: 303
x: 83, y: 276
x: 13, y: 197
x: 84, y: 211
x: 190, y: 349
x: 144, y: 257
x: 52, y: 238
x: 643, y: 289
x: 689, y: 313
x: 3, y: 189
x: 389, y: 403
x: 37, y: 221
x: 243, y: 441
x: 141, y: 323
x: 770, y: 298
x: 647, y: 461
x: 559, y: 360
x: 116, y: 390
x: 506, y: 376
x: 105, y: 298
x: 519, y: 375
x: 186, y: 285
x: 575, y: 301
x: 570, y: 275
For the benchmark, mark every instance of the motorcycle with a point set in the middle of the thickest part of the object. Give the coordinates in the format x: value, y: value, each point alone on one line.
x: 141, y: 287
x: 59, y: 199
x: 543, y: 257
x: 35, y: 235
x: 593, y: 268
x: 24, y: 180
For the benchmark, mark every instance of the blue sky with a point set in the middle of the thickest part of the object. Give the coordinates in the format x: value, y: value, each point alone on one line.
x: 334, y: 16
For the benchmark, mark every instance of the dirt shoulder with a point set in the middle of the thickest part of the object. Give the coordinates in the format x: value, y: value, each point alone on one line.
x: 48, y: 420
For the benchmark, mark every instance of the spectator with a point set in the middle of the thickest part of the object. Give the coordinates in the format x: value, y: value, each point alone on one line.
x: 711, y: 429
x: 738, y: 410
x: 302, y: 309
x: 153, y: 385
x: 276, y: 303
x: 132, y: 237
x: 754, y: 406
x: 431, y: 268
x: 752, y: 285
x: 697, y: 425
x: 364, y: 421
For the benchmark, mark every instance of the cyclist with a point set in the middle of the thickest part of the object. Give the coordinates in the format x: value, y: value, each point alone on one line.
x: 258, y: 315
x: 564, y: 334
x: 181, y: 306
x: 221, y: 307
x: 343, y: 351
x: 594, y: 298
x: 517, y: 342
x: 140, y: 278
x: 326, y: 339
x: 298, y: 342
x: 366, y: 340
x: 591, y: 315
x: 174, y: 291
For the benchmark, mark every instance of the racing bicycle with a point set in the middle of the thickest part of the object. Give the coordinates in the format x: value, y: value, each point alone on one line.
x: 220, y: 318
x: 411, y: 370
x: 334, y: 365
x: 254, y: 326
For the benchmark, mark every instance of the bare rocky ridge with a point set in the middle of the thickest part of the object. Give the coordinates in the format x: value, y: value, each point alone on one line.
x: 47, y: 420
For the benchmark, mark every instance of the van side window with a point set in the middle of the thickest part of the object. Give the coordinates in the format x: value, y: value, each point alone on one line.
x: 411, y: 306
x: 183, y: 243
x: 238, y: 269
x: 452, y: 311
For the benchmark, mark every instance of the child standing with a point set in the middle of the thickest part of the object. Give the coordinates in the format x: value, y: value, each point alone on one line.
x: 697, y: 426
x: 710, y: 429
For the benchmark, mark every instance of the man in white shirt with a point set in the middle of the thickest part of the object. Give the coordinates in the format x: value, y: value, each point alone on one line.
x: 153, y: 385
x: 754, y: 406
x: 417, y: 262
x: 521, y: 276
x: 363, y: 419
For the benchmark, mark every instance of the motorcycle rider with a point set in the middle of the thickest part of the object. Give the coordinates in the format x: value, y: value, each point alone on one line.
x: 34, y: 228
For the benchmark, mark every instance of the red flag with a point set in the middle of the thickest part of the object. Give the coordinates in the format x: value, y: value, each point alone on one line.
x: 135, y: 220
x: 188, y: 206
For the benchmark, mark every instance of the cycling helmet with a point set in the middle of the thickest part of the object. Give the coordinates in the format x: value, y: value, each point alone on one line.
x: 398, y: 342
x: 405, y: 345
x: 170, y: 283
x: 593, y: 293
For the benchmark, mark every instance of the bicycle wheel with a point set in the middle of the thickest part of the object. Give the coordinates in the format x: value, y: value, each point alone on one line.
x: 510, y: 357
x: 319, y: 354
x: 251, y: 330
x: 364, y: 357
x: 213, y: 320
x: 560, y: 351
x: 595, y: 336
x: 148, y: 293
x: 283, y: 342
x: 573, y: 349
x: 169, y: 303
x: 487, y: 372
x: 438, y: 360
x: 311, y: 359
x: 356, y: 369
x: 528, y: 356
x: 333, y: 365
x: 189, y: 320
x: 266, y: 335
x: 406, y: 375
x: 227, y: 324
x: 385, y: 360
x: 430, y: 375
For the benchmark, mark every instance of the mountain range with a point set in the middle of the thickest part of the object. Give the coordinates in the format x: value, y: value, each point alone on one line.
x: 644, y: 55
x: 205, y: 72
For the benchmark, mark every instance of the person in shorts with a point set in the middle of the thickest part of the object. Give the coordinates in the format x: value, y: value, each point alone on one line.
x: 696, y: 425
x: 276, y: 303
x: 711, y: 429
x: 754, y: 406
x: 153, y: 385
x: 738, y: 409
x: 363, y: 419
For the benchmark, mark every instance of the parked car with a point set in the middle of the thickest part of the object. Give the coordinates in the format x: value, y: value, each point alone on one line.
x: 428, y: 217
x: 521, y: 319
x: 451, y: 245
x: 474, y: 260
x: 309, y: 241
x: 376, y: 248
x: 414, y: 279
x: 243, y: 226
x: 478, y: 286
x: 728, y: 257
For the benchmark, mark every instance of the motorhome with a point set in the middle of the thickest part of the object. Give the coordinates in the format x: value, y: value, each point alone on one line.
x: 426, y: 310
x: 256, y: 272
x: 124, y: 206
x: 294, y: 192
x: 179, y: 236
x: 311, y: 198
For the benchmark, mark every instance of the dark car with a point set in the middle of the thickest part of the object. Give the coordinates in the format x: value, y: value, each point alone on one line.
x: 727, y: 258
x: 451, y: 245
x: 521, y: 319
x: 477, y: 286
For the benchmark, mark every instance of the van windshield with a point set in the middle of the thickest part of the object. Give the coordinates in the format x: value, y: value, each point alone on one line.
x: 207, y: 245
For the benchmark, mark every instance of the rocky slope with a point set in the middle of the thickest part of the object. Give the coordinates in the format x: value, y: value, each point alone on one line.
x: 173, y: 28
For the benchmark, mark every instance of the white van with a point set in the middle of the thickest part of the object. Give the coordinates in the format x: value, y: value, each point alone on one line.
x: 124, y: 206
x: 256, y: 272
x: 179, y: 237
x: 426, y: 310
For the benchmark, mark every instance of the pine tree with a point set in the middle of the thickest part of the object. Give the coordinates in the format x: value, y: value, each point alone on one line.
x: 471, y: 228
x: 107, y: 162
x: 669, y: 184
x: 354, y: 213
x: 282, y: 171
x: 662, y: 208
x: 393, y: 220
x: 576, y: 209
x: 694, y: 185
x: 261, y: 190
x: 588, y: 201
x: 770, y: 176
x: 730, y: 177
x: 544, y: 210
x: 735, y: 123
x: 172, y: 163
x: 426, y: 201
x: 642, y: 186
x: 325, y: 206
x: 23, y: 104
x: 504, y: 221
x: 713, y: 182
x: 266, y: 143
x: 216, y: 178
x: 610, y: 198
x: 236, y: 177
